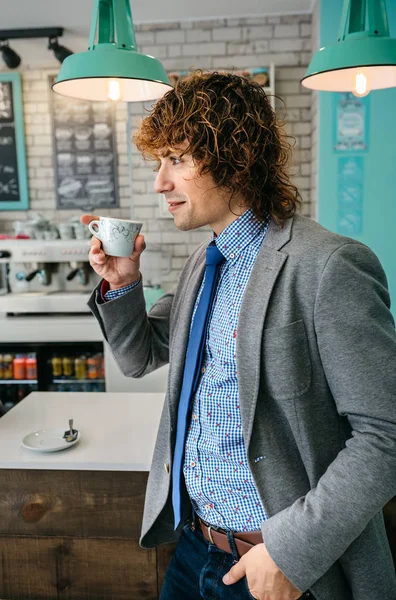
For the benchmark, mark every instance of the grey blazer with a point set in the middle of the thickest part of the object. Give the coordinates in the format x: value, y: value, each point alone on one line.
x: 316, y: 356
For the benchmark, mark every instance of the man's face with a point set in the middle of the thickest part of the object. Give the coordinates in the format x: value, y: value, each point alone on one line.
x: 192, y: 199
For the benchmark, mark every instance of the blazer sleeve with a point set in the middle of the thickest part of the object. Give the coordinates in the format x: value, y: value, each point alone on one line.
x: 138, y: 341
x: 357, y: 346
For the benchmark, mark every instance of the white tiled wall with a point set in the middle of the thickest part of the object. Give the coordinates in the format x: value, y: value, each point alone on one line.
x: 39, y: 150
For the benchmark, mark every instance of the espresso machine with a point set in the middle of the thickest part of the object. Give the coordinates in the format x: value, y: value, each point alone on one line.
x: 45, y: 276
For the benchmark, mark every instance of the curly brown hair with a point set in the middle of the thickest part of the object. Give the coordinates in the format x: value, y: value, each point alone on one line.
x: 232, y: 133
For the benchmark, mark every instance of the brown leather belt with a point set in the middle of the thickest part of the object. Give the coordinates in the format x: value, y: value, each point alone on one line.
x: 243, y: 541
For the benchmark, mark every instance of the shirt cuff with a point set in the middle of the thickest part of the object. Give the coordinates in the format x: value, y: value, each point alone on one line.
x: 108, y: 294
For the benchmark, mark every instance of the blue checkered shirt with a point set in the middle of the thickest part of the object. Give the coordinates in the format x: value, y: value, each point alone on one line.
x: 216, y: 469
x: 111, y: 294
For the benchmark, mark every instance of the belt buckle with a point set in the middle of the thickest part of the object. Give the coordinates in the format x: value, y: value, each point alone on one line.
x: 210, y: 528
x: 210, y: 534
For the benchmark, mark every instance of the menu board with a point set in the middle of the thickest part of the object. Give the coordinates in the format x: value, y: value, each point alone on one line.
x: 9, y: 187
x: 13, y: 181
x: 85, y: 153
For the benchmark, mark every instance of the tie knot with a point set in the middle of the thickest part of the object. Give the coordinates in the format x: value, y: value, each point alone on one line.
x: 213, y: 255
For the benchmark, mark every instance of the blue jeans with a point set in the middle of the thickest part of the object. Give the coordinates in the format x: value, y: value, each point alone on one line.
x: 196, y: 570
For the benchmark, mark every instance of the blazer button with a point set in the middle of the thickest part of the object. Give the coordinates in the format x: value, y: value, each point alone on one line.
x: 166, y: 467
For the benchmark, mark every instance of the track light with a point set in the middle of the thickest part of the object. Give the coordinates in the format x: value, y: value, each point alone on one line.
x: 60, y: 51
x: 10, y: 57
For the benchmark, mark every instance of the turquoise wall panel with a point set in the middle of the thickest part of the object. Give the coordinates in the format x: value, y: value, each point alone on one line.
x: 378, y: 203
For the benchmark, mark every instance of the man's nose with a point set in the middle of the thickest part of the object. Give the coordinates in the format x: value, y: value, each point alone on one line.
x: 162, y: 182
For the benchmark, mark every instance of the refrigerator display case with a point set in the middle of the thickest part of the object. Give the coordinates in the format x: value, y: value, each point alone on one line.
x: 58, y: 367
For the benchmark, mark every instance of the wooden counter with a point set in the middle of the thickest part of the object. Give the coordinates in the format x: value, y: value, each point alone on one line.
x: 70, y: 521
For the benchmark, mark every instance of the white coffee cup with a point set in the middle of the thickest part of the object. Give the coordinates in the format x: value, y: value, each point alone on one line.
x: 66, y: 231
x: 80, y: 231
x: 117, y: 235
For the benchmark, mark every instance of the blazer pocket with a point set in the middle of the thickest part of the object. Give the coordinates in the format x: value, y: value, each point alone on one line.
x: 286, y: 361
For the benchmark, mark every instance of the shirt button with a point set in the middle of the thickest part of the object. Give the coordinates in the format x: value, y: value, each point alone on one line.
x: 192, y: 464
x: 232, y: 255
x: 166, y: 467
x: 203, y: 370
x: 207, y: 506
x: 195, y: 417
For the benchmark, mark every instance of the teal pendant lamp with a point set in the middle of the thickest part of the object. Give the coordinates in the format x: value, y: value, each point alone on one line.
x: 112, y: 68
x: 363, y: 59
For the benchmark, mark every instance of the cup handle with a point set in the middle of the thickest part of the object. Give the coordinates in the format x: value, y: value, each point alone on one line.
x: 91, y: 227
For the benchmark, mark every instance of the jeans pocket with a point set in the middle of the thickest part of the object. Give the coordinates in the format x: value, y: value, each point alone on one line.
x: 249, y: 594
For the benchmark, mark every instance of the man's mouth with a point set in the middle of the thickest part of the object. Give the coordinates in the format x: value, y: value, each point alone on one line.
x: 172, y: 202
x: 174, y: 205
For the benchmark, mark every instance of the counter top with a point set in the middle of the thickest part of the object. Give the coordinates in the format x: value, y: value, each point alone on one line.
x: 50, y: 328
x: 118, y: 430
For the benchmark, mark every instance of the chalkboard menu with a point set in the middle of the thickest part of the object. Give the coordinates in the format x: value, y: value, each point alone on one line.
x: 13, y: 182
x: 85, y: 153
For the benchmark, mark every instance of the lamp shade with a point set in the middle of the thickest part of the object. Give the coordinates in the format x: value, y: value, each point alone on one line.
x: 364, y: 49
x: 112, y: 68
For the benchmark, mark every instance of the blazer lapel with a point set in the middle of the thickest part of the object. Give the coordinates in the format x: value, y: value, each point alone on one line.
x: 266, y: 269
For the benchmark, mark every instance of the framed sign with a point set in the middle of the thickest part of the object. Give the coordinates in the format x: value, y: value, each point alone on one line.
x: 351, y: 123
x: 350, y: 195
x: 85, y: 153
x: 262, y: 75
x: 14, y: 194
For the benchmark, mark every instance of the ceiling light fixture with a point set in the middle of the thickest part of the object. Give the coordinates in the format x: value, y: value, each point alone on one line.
x: 112, y: 68
x: 10, y: 57
x: 52, y: 33
x: 363, y: 59
x: 59, y: 51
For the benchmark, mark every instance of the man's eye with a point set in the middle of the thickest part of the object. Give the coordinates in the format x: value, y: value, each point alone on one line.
x: 175, y: 160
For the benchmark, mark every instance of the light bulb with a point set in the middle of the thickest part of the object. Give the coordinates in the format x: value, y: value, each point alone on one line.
x: 361, y: 87
x: 114, y: 91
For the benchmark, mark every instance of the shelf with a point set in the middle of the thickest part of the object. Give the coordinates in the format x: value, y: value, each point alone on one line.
x: 16, y: 381
x: 78, y: 381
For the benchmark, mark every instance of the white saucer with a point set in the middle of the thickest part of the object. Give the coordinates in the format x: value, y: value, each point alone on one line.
x: 47, y: 440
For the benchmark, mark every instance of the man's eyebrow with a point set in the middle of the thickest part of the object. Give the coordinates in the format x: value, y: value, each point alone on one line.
x: 170, y: 151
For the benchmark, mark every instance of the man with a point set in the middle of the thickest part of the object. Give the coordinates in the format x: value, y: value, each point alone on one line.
x: 290, y: 452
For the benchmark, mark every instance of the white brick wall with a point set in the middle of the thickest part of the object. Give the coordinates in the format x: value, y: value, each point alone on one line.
x: 39, y: 152
x: 215, y: 43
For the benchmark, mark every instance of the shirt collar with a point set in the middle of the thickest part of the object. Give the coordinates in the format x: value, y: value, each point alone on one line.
x: 239, y: 234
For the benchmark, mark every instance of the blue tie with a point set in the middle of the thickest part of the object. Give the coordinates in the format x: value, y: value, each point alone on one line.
x: 195, y: 350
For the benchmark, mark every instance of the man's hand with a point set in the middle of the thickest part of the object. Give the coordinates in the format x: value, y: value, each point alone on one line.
x: 118, y: 271
x: 265, y: 580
